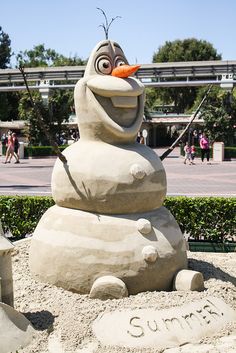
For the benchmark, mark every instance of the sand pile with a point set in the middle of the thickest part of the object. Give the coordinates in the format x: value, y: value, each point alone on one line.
x: 63, y: 320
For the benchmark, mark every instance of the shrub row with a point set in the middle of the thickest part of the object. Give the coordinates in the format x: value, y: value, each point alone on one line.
x: 205, y: 218
x: 40, y: 151
x: 230, y: 152
x: 208, y: 218
x: 43, y: 151
x: 20, y: 214
x: 37, y: 151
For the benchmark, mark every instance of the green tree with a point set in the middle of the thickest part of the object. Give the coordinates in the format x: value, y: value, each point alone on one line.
x: 190, y: 49
x: 54, y: 114
x: 60, y: 102
x: 40, y: 56
x: 219, y: 115
x: 27, y: 113
x: 183, y: 50
x: 9, y: 106
x: 5, y: 49
x: 8, y: 101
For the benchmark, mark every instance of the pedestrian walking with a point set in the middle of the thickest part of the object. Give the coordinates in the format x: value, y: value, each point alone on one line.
x: 16, y: 147
x: 187, y: 157
x: 10, y: 148
x: 10, y: 151
x: 205, y: 147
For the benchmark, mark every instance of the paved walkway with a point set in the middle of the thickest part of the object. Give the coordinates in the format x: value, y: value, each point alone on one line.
x: 33, y: 177
x: 216, y: 179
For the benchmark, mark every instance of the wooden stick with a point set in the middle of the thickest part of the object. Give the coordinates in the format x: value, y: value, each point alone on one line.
x: 41, y: 120
x: 170, y: 149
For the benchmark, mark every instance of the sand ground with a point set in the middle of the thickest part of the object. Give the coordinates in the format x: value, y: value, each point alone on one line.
x: 63, y: 320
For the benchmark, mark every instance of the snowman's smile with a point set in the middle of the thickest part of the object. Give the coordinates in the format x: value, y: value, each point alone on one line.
x: 119, y: 98
x: 122, y: 110
x: 124, y: 102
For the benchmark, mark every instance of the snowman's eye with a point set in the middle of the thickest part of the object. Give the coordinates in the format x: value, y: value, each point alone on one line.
x: 120, y: 62
x: 103, y: 65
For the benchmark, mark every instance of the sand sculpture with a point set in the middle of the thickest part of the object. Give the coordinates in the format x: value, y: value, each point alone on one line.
x: 108, y: 234
x: 15, y: 330
x: 6, y: 281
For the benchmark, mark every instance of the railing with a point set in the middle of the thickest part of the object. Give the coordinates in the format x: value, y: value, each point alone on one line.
x: 195, y: 73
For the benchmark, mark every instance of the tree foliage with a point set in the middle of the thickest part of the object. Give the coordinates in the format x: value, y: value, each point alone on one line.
x: 182, y: 50
x: 9, y: 106
x: 190, y: 49
x: 219, y: 115
x: 60, y: 102
x: 5, y: 49
x: 40, y: 56
x: 8, y: 101
x: 54, y: 114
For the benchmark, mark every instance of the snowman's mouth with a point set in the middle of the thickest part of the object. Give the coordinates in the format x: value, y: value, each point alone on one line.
x: 121, y: 109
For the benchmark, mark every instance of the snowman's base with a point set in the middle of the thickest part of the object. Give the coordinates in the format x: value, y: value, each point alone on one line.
x: 72, y: 248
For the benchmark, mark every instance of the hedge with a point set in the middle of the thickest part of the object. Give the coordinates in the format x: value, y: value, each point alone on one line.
x: 37, y: 151
x: 20, y: 214
x: 41, y: 151
x: 207, y: 218
x: 46, y: 151
x: 230, y: 152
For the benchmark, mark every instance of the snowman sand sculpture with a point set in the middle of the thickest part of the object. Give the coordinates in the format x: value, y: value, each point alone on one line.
x: 108, y: 234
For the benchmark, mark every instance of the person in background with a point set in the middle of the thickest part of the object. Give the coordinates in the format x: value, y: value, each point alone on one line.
x: 187, y: 150
x: 16, y: 147
x: 193, y: 153
x: 10, y: 148
x: 205, y: 147
x: 140, y: 138
x: 4, y: 139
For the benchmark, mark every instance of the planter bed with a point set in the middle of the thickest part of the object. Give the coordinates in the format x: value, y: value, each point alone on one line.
x: 208, y: 246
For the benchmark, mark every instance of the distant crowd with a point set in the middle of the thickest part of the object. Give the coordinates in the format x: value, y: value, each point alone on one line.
x: 190, y: 150
x: 63, y: 138
x: 11, y: 141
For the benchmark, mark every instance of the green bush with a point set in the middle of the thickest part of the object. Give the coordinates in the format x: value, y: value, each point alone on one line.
x: 230, y: 152
x: 37, y: 151
x: 20, y: 214
x: 41, y: 151
x: 208, y: 218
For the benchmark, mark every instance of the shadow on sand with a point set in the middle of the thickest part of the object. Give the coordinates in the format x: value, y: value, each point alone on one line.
x: 41, y: 320
x: 210, y: 271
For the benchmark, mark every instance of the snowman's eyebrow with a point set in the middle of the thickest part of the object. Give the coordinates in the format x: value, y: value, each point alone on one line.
x: 117, y: 46
x: 102, y: 45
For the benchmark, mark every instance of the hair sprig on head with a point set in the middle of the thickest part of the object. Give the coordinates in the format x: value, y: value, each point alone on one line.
x: 107, y: 25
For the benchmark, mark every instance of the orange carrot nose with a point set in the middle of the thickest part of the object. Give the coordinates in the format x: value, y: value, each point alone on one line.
x: 124, y: 70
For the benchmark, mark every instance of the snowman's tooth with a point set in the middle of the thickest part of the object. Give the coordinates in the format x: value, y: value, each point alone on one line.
x: 124, y: 102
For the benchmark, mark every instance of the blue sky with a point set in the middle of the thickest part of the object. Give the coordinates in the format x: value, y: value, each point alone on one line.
x: 71, y: 27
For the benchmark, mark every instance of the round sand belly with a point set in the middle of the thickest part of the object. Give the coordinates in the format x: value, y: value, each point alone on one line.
x: 109, y: 179
x: 72, y: 248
